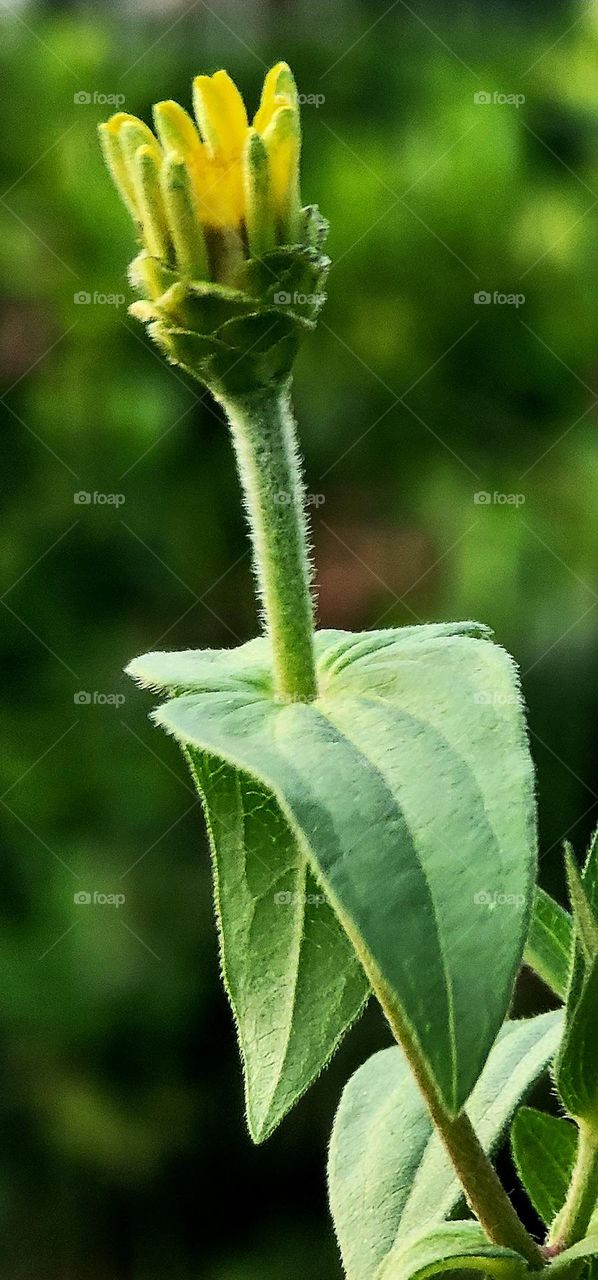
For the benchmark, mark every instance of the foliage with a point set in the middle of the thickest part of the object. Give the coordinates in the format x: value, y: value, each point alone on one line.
x: 117, y: 1105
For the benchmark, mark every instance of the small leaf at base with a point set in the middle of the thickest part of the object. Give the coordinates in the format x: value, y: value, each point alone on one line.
x: 454, y: 1246
x: 544, y: 1149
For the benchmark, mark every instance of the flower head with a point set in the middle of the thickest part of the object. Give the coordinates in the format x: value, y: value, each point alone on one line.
x: 223, y: 236
x: 208, y: 195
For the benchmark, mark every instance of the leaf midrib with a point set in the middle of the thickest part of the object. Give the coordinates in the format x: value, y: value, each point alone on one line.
x: 438, y: 933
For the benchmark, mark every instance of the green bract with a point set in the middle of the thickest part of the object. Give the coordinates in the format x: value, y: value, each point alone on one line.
x: 237, y: 339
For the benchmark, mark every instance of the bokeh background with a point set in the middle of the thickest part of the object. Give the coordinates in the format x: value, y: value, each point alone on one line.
x: 124, y: 1154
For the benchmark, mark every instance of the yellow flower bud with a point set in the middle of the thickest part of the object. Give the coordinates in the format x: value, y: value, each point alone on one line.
x: 209, y: 198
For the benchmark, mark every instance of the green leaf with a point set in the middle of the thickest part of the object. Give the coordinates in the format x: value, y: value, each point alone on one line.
x: 388, y: 1172
x: 586, y: 926
x: 454, y: 1246
x: 544, y: 1150
x: 409, y: 787
x: 576, y: 1068
x: 549, y: 946
x: 576, y: 1064
x: 584, y: 899
x: 292, y: 977
x: 587, y: 1248
x: 590, y: 872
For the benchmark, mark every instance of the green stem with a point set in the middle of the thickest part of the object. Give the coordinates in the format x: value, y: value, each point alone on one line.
x: 483, y: 1189
x: 265, y: 443
x: 572, y: 1223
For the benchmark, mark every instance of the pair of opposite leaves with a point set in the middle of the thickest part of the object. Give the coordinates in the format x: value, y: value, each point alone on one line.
x: 396, y: 811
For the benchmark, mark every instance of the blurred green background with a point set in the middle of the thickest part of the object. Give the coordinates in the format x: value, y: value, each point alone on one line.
x: 124, y: 1153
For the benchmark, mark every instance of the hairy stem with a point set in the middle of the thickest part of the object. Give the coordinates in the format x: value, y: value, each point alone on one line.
x: 572, y: 1223
x: 483, y: 1189
x: 265, y: 443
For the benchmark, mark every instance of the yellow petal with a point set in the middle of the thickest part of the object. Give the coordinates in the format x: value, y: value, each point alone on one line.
x: 117, y: 167
x: 279, y: 90
x: 221, y: 114
x: 177, y: 133
x: 133, y: 134
x: 147, y: 164
x: 219, y: 193
x: 175, y: 128
x: 283, y: 142
x: 260, y: 218
x: 121, y: 136
x: 183, y: 215
x: 222, y: 119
